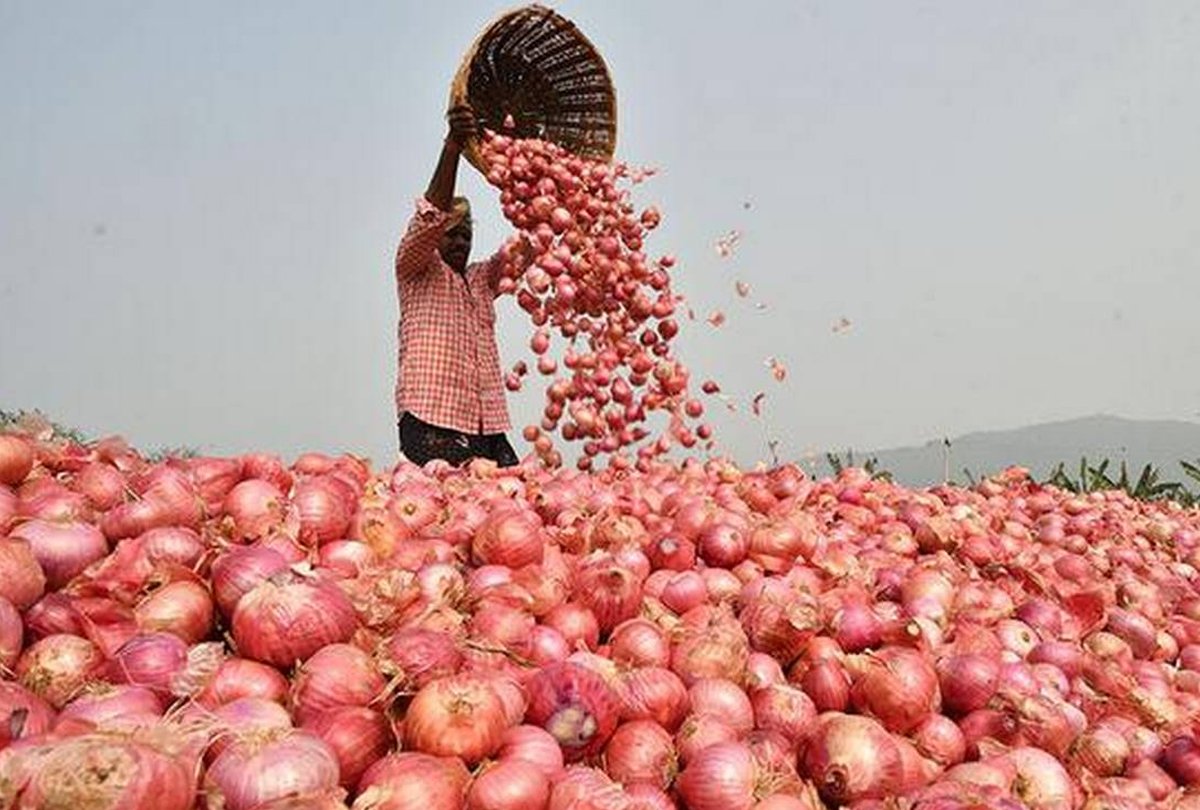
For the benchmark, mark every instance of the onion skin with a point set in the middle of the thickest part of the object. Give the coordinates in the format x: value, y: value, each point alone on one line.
x: 12, y: 635
x: 358, y: 737
x: 57, y: 667
x: 239, y: 677
x: 851, y: 758
x: 182, y: 608
x: 533, y: 745
x: 336, y: 675
x: 641, y: 752
x: 16, y: 460
x: 22, y: 714
x: 721, y: 777
x: 63, y: 550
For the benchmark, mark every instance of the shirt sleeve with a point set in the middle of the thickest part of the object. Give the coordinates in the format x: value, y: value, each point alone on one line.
x: 493, y: 271
x: 420, y: 240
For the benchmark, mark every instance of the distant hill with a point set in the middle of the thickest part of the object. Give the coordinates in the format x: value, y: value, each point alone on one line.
x: 1041, y: 447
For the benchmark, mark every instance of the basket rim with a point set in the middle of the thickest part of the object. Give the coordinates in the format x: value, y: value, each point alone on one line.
x: 458, y: 86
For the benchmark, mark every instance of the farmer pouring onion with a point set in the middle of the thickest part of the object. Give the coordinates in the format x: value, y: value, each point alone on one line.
x: 449, y: 392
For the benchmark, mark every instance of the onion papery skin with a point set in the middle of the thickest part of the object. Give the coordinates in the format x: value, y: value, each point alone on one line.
x: 358, y: 737
x: 456, y: 716
x: 57, y: 667
x: 413, y: 781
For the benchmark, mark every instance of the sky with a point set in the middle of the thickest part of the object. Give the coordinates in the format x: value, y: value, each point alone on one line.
x: 200, y: 203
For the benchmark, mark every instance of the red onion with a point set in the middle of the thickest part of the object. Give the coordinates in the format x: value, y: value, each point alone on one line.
x: 654, y: 693
x: 153, y: 660
x: 850, y: 758
x: 612, y: 592
x: 255, y: 507
x: 710, y: 644
x: 1102, y: 751
x: 98, y: 770
x: 336, y: 675
x: 641, y: 752
x: 1066, y: 656
x: 509, y: 785
x: 252, y: 772
x: 857, y: 628
x: 1042, y: 782
x: 721, y: 777
x: 723, y: 700
x: 414, y: 656
x: 1159, y: 784
x: 182, y: 608
x: 16, y: 459
x: 56, y: 667
x: 348, y: 558
x: 583, y: 788
x: 576, y: 623
x: 781, y: 622
x: 1181, y: 759
x: 640, y: 643
x: 510, y: 536
x: 282, y: 624
x: 459, y: 715
x: 176, y: 544
x: 896, y: 685
x: 237, y: 573
x: 684, y: 591
x: 414, y: 781
x: 323, y: 511
x: 722, y: 545
x: 940, y: 740
x: 101, y: 484
x: 237, y: 678
x: 12, y: 635
x: 828, y: 685
x: 968, y: 681
x: 246, y: 719
x: 22, y: 714
x: 1135, y: 629
x: 784, y: 708
x: 699, y: 731
x: 575, y: 705
x: 533, y: 745
x: 358, y: 737
x: 102, y: 705
x: 763, y: 670
x: 63, y: 550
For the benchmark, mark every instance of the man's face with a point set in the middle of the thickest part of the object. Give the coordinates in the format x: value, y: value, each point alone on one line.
x: 456, y: 244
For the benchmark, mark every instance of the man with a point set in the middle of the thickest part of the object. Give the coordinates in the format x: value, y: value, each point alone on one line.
x: 449, y: 393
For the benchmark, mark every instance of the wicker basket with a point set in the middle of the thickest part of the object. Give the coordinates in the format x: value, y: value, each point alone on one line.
x: 537, y: 67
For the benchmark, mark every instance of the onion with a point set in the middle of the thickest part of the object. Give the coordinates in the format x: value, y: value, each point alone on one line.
x: 153, y: 660
x: 851, y: 758
x: 57, y: 667
x: 684, y: 591
x: 938, y: 738
x: 896, y: 685
x: 358, y: 737
x: 253, y: 771
x: 533, y: 745
x: 763, y: 670
x: 699, y: 731
x: 101, y: 484
x: 723, y: 700
x: 1042, y: 782
x: 1181, y: 759
x: 968, y: 681
x: 237, y: 573
x: 16, y: 459
x: 349, y: 558
x: 721, y: 777
x: 1103, y: 751
x: 255, y: 507
x: 323, y: 511
x: 282, y: 624
x: 98, y: 770
x: 654, y: 693
x: 413, y: 781
x: 576, y: 623
x: 237, y: 678
x: 414, y: 656
x: 710, y: 644
x: 612, y: 592
x: 583, y: 788
x: 458, y: 715
x: 510, y: 536
x: 575, y: 705
x: 63, y: 550
x: 246, y: 719
x: 12, y: 635
x: 22, y: 714
x: 641, y: 752
x: 182, y: 608
x: 722, y: 545
x: 828, y: 686
x: 640, y: 643
x: 175, y: 544
x: 336, y: 675
x: 103, y: 705
x: 857, y: 628
x: 509, y: 785
x: 785, y: 709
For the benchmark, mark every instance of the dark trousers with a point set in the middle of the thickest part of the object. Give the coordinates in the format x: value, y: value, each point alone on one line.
x: 422, y: 442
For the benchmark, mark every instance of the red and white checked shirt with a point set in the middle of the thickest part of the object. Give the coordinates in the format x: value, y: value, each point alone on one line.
x: 448, y: 369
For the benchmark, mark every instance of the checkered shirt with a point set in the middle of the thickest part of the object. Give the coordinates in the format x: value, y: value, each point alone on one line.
x: 448, y: 368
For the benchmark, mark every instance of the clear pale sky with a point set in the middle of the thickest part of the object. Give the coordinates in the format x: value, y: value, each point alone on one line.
x: 199, y: 205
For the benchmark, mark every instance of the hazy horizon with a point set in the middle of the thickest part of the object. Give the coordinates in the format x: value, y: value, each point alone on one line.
x: 200, y: 203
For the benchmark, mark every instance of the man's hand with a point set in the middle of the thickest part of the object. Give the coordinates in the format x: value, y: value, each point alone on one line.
x: 463, y: 125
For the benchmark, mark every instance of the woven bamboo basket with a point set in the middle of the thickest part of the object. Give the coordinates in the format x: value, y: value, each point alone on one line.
x: 536, y: 66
